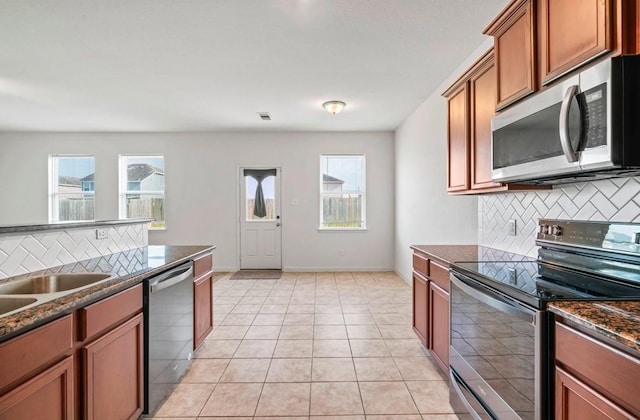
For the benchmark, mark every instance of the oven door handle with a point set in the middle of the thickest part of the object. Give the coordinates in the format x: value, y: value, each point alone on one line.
x: 457, y: 387
x: 495, y: 300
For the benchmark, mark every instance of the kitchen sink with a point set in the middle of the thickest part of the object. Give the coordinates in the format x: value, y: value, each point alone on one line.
x: 8, y: 304
x: 51, y: 283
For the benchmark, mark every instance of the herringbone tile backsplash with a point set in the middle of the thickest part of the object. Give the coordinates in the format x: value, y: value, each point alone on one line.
x: 26, y: 253
x: 605, y: 200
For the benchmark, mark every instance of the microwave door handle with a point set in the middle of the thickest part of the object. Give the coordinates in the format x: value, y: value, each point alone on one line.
x: 565, y: 140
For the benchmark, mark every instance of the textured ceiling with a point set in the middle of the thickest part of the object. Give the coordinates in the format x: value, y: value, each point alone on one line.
x: 198, y: 65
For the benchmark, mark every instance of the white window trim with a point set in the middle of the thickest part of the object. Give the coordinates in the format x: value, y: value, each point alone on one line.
x: 53, y: 213
x: 123, y: 191
x: 363, y: 193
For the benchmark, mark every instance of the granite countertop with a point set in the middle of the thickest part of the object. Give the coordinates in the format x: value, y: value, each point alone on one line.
x: 457, y: 253
x: 30, y: 228
x: 128, y: 267
x: 616, y: 320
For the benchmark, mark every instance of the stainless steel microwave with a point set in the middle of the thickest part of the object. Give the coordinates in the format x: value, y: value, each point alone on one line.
x: 586, y: 127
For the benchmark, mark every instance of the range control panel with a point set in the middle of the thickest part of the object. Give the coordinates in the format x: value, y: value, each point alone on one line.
x: 604, y: 235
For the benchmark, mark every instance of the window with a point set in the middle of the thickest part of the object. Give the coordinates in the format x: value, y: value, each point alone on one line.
x: 342, y: 192
x: 142, y: 189
x: 71, y: 188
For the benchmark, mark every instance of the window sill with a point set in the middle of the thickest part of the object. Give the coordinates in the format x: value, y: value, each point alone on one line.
x: 342, y: 229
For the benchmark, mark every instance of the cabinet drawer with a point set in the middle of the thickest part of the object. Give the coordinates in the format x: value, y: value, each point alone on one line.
x: 439, y: 274
x: 610, y: 371
x: 421, y: 264
x: 26, y: 353
x: 110, y: 311
x: 202, y: 265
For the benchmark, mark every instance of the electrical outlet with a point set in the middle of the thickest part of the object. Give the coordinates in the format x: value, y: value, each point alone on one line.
x: 102, y: 234
x: 341, y: 252
x: 512, y: 227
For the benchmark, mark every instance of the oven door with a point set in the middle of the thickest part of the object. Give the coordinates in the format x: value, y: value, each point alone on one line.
x: 499, y: 351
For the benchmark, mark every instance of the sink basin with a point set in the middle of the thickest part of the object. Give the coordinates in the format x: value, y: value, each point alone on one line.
x: 8, y: 304
x: 51, y: 283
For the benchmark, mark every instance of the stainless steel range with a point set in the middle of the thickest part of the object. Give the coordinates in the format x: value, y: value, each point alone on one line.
x: 501, y: 353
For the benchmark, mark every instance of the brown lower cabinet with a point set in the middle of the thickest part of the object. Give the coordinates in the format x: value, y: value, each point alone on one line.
x: 113, y: 372
x: 421, y: 308
x: 431, y: 307
x: 48, y: 394
x: 593, y: 380
x: 439, y: 317
x: 202, y: 299
x: 87, y: 364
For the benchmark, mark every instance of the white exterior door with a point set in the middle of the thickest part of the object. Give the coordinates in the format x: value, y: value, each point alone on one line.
x: 260, y: 231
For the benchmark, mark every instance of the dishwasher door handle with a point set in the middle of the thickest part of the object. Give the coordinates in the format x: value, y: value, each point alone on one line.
x: 160, y: 284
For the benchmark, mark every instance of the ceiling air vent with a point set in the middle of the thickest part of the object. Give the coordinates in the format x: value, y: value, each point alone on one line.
x: 264, y: 116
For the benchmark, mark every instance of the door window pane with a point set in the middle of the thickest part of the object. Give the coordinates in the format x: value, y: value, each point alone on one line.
x: 255, y: 211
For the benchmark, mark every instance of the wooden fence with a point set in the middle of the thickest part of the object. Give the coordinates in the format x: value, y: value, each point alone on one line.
x: 146, y: 207
x: 270, y: 209
x: 344, y: 211
x: 76, y: 209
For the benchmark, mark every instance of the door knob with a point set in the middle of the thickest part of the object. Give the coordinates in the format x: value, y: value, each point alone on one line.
x: 277, y: 224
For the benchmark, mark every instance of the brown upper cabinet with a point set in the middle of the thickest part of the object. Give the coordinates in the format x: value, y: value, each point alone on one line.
x: 471, y: 104
x: 482, y: 84
x: 539, y: 41
x: 458, y: 145
x: 514, y: 35
x: 572, y: 32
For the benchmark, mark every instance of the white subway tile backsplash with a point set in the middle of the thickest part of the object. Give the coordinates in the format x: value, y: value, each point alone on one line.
x: 603, y: 200
x: 31, y: 252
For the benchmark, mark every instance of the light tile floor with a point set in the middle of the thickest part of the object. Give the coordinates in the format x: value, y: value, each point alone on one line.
x: 312, y: 346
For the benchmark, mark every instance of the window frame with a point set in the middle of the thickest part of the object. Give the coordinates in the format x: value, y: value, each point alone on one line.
x: 53, y: 187
x: 362, y: 193
x: 123, y: 184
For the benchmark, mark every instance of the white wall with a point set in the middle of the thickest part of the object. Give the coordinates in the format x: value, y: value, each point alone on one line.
x: 202, y: 188
x: 425, y: 214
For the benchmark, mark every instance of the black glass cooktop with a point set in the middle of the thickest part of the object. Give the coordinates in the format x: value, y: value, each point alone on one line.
x: 536, y: 282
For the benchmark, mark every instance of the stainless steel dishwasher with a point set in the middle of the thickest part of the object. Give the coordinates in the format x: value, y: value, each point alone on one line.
x: 168, y: 331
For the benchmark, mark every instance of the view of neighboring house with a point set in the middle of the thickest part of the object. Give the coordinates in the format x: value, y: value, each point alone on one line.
x: 69, y: 184
x: 140, y: 177
x: 144, y: 177
x: 88, y: 183
x: 330, y: 183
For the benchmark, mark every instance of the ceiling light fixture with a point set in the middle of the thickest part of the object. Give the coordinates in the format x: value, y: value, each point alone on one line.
x: 334, y: 107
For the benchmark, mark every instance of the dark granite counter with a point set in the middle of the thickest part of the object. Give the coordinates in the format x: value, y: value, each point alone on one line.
x: 448, y: 254
x: 618, y: 321
x: 128, y: 267
x: 20, y: 229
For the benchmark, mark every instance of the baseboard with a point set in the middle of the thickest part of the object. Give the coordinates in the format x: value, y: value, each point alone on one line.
x: 335, y: 269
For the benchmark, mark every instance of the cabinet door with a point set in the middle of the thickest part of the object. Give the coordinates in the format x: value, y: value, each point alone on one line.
x: 113, y: 369
x: 420, y: 308
x: 47, y: 395
x: 458, y: 174
x: 439, y: 318
x: 203, y: 310
x: 514, y: 35
x: 483, y: 105
x: 577, y: 401
x: 571, y: 33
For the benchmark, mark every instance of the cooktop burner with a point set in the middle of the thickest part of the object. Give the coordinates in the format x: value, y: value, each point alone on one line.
x: 536, y: 282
